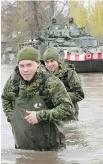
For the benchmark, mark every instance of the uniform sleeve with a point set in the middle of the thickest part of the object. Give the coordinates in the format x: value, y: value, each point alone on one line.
x: 7, y: 96
x: 63, y: 107
x: 75, y: 87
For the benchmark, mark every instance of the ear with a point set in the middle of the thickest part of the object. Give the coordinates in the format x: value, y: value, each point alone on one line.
x: 38, y: 62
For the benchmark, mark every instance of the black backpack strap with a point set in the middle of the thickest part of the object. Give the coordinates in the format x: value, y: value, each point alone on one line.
x: 16, y: 83
x: 41, y: 87
x: 48, y: 101
x: 72, y: 66
x: 64, y: 79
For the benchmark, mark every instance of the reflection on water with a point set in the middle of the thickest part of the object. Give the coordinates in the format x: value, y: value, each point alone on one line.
x: 84, y: 138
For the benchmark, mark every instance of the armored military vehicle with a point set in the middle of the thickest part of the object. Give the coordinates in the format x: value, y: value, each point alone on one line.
x: 74, y: 44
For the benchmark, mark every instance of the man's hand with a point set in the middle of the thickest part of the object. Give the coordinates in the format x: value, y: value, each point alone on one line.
x: 31, y: 118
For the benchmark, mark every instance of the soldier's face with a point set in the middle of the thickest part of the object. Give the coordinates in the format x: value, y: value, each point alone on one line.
x: 51, y: 65
x: 27, y: 69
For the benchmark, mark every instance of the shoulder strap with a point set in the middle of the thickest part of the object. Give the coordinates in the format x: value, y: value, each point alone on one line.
x: 65, y: 79
x: 41, y: 88
x: 16, y: 83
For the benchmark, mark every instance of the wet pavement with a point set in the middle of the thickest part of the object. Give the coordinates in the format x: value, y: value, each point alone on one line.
x: 84, y: 138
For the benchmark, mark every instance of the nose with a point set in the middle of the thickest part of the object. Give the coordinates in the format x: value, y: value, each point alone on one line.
x: 25, y: 69
x: 49, y: 64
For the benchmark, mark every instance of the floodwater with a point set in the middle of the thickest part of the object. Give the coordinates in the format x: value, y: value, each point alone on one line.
x: 84, y: 138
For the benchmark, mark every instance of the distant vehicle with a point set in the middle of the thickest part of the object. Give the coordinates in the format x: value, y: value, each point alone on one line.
x: 75, y: 45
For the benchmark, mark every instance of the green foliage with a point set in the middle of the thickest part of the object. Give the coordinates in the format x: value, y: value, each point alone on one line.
x: 78, y: 12
x: 96, y: 19
x: 91, y: 17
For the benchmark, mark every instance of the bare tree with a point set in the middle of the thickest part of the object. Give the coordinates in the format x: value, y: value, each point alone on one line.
x: 28, y: 18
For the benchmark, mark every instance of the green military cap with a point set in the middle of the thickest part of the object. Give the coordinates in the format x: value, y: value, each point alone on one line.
x: 28, y: 53
x: 51, y: 53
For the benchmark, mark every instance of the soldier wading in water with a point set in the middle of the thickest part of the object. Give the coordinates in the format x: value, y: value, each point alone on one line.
x: 66, y: 74
x: 35, y: 104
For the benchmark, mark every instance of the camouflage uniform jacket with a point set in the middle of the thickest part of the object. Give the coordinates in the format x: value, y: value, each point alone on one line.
x: 71, y: 81
x: 54, y: 93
